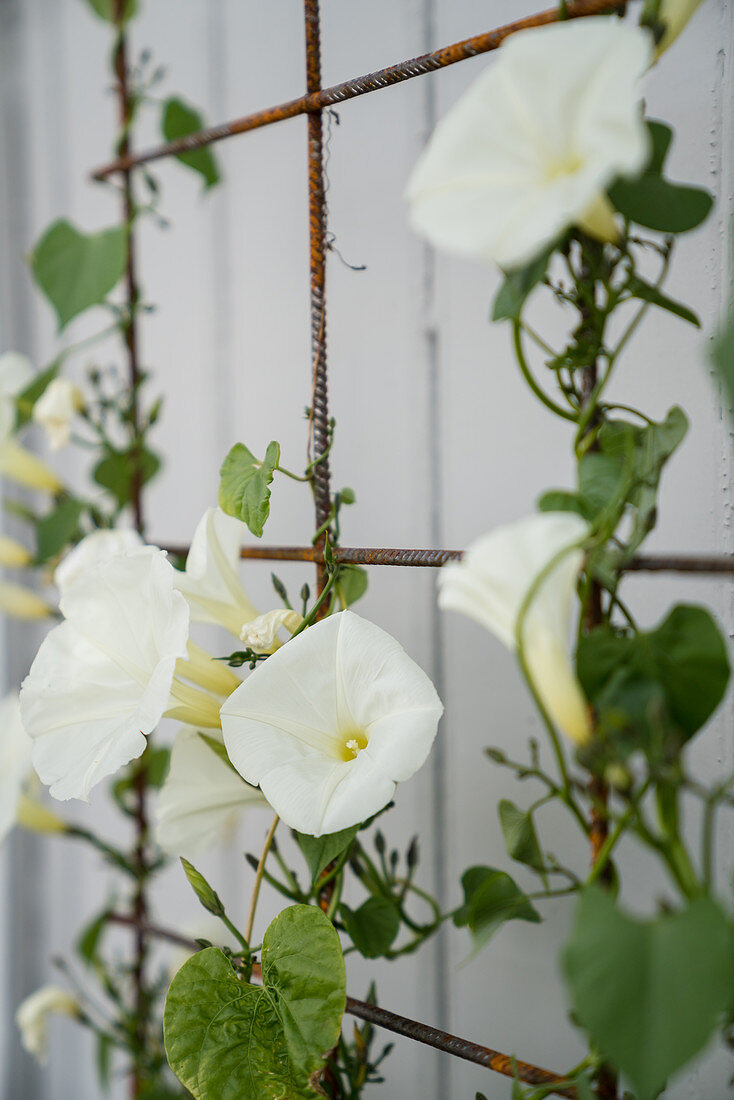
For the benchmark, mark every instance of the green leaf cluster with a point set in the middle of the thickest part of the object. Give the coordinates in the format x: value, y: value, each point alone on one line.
x: 654, y: 690
x: 226, y: 1037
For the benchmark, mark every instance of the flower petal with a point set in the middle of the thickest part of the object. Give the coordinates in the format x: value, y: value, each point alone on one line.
x: 95, y: 548
x: 211, y: 581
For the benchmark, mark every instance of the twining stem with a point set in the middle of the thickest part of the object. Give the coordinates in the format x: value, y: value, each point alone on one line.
x: 259, y: 877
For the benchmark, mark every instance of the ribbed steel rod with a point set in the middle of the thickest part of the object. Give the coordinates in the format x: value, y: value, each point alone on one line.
x: 357, y: 86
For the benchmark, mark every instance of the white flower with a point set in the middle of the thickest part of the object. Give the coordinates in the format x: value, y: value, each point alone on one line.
x: 262, y: 633
x: 490, y: 585
x: 201, y: 797
x: 55, y: 410
x: 211, y: 582
x: 94, y: 548
x: 32, y: 1017
x: 674, y: 14
x: 15, y: 761
x: 330, y: 723
x: 16, y: 374
x: 103, y: 678
x: 533, y: 145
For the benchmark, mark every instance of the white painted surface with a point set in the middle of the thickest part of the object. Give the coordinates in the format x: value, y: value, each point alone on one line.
x: 435, y: 432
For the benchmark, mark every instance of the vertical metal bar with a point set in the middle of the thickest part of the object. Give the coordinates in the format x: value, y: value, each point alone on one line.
x: 319, y: 433
x: 130, y: 334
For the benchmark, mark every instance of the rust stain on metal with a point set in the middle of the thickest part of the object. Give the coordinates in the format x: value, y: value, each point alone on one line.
x: 357, y: 86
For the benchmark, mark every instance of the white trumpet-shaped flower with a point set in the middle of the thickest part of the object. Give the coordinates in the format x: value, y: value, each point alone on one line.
x: 674, y: 14
x: 103, y: 678
x: 94, y: 548
x: 262, y: 633
x: 32, y: 1016
x: 211, y: 582
x: 55, y: 410
x: 330, y: 723
x: 491, y: 585
x: 16, y: 748
x: 201, y: 798
x: 531, y: 148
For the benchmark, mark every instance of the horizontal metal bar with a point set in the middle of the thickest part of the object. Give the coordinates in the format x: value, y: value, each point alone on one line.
x: 702, y: 564
x: 357, y: 86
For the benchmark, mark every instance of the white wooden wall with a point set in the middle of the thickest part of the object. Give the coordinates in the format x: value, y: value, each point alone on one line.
x: 435, y: 432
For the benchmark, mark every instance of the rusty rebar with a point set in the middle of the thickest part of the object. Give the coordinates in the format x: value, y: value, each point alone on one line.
x: 400, y: 1025
x: 357, y: 86
x: 319, y: 431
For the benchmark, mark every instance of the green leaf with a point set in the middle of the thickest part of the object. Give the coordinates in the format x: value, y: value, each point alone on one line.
x: 103, y: 1057
x: 660, y: 139
x: 645, y: 291
x: 244, y: 489
x: 90, y: 936
x: 373, y: 927
x: 656, y: 689
x: 28, y: 397
x: 650, y: 993
x: 351, y: 584
x: 179, y: 120
x: 115, y: 472
x: 722, y: 356
x: 77, y: 270
x: 204, y: 892
x: 521, y: 840
x: 517, y: 287
x: 226, y: 1038
x: 655, y: 203
x: 320, y: 851
x: 559, y: 500
x: 58, y: 528
x: 106, y: 9
x: 491, y: 897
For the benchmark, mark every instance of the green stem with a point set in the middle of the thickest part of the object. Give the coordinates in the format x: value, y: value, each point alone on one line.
x: 290, y: 474
x: 259, y: 878
x: 527, y: 375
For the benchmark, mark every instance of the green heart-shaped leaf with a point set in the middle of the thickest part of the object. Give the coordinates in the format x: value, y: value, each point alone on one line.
x: 650, y: 993
x: 179, y: 120
x: 227, y: 1039
x: 78, y: 270
x: 244, y: 488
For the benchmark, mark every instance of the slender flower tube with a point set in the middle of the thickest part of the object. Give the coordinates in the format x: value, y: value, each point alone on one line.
x: 211, y: 582
x: 103, y: 678
x: 22, y: 603
x: 330, y: 723
x: 674, y: 14
x: 531, y: 148
x: 56, y: 409
x: 491, y: 586
x: 201, y: 798
x: 32, y: 1017
x: 26, y: 469
x: 13, y: 553
x: 262, y: 633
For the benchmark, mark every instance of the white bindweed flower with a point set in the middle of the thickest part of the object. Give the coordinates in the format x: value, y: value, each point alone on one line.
x: 103, y: 678
x: 16, y: 748
x: 491, y: 584
x: 201, y: 797
x: 532, y: 146
x: 262, y: 633
x: 211, y: 582
x: 674, y: 14
x: 330, y: 723
x: 32, y: 1017
x: 56, y: 408
x: 94, y: 548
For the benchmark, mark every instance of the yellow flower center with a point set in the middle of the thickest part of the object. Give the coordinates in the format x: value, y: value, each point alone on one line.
x: 355, y: 741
